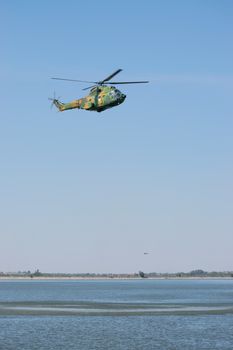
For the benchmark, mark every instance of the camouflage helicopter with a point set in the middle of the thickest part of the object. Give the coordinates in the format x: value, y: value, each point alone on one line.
x: 101, y: 96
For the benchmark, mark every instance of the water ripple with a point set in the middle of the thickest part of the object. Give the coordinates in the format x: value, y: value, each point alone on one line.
x: 108, y: 309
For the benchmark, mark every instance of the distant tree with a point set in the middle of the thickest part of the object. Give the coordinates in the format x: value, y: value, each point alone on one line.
x: 37, y: 273
x: 141, y: 274
x: 197, y: 273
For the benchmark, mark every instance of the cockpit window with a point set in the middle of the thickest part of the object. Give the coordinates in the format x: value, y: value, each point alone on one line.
x: 118, y: 94
x: 115, y: 93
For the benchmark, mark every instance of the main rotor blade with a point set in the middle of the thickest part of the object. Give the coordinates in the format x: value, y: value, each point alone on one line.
x: 89, y: 87
x: 79, y: 81
x: 127, y: 82
x: 110, y: 76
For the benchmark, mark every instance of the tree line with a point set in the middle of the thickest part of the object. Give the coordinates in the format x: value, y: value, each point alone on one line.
x: 192, y: 274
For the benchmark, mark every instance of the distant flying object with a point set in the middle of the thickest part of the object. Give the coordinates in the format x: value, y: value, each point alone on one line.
x: 101, y: 95
x: 145, y: 253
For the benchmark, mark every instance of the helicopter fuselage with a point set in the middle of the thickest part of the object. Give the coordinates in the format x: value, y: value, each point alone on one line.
x: 100, y: 98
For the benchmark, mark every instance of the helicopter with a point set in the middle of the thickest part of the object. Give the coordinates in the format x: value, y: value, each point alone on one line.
x: 101, y: 96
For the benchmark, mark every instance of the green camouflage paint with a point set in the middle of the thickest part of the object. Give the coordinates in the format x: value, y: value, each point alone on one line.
x: 99, y: 99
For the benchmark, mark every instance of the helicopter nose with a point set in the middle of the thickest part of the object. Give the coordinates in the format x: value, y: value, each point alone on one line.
x: 123, y: 97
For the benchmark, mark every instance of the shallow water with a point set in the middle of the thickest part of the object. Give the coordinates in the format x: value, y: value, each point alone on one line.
x: 115, y: 314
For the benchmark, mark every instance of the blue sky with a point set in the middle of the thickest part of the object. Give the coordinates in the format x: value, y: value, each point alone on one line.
x: 88, y: 192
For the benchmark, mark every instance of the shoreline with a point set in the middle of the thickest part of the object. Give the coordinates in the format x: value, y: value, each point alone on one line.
x: 79, y: 278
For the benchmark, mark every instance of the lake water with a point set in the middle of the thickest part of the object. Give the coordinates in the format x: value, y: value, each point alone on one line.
x: 116, y: 314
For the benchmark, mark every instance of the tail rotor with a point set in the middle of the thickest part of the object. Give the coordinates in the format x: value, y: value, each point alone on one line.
x: 55, y: 101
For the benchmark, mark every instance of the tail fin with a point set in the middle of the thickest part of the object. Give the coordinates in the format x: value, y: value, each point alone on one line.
x: 57, y: 103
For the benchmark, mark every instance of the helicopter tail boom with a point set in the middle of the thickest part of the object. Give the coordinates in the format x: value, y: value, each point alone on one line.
x: 81, y: 103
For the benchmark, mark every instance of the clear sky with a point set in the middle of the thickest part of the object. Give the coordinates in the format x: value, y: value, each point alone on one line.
x: 89, y: 192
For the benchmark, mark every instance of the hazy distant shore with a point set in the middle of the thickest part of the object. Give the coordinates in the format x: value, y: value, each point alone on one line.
x: 38, y: 275
x: 4, y: 278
